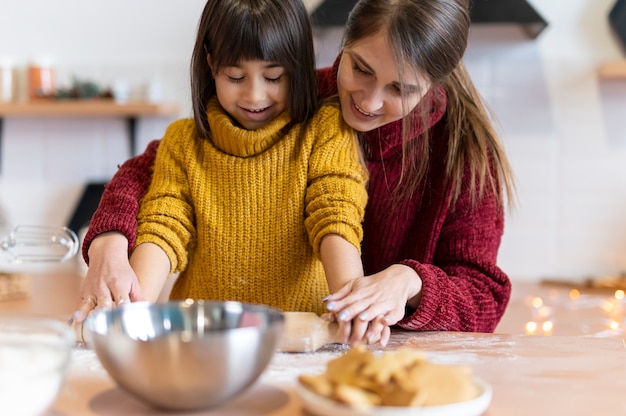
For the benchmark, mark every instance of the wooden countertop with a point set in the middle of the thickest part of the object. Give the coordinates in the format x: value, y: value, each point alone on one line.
x: 581, y: 372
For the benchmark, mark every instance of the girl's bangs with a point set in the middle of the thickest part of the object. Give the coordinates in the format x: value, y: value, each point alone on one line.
x: 251, y: 42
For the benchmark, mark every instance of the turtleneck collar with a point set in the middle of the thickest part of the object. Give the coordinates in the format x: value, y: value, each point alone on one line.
x: 386, y: 141
x: 238, y: 141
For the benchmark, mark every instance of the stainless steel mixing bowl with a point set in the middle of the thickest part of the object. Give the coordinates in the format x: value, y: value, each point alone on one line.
x: 185, y: 355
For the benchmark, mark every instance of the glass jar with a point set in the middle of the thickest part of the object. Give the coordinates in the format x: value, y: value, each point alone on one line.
x: 41, y: 82
x: 7, y: 80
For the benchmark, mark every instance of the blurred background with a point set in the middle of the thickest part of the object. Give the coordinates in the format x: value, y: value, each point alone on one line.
x: 536, y: 63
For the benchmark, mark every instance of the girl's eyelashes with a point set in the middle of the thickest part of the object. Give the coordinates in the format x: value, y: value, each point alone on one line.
x: 235, y: 80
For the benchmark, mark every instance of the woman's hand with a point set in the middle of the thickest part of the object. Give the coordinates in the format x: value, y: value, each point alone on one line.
x: 109, y: 280
x: 367, y: 306
x: 357, y: 331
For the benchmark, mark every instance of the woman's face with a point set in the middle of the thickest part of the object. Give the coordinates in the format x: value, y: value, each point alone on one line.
x: 370, y: 90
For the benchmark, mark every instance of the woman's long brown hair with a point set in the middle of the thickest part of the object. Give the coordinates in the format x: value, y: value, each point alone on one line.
x: 431, y: 36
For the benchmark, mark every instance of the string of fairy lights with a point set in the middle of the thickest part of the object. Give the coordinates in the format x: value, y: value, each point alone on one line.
x: 591, y: 315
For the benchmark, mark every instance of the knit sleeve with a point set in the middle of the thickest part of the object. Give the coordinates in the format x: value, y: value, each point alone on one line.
x: 166, y: 216
x: 336, y: 195
x: 463, y: 289
x: 119, y: 204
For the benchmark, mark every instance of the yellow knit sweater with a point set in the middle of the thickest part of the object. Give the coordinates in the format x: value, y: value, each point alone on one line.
x: 241, y: 214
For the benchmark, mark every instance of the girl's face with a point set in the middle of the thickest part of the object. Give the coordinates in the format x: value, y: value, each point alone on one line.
x: 253, y: 92
x: 369, y: 86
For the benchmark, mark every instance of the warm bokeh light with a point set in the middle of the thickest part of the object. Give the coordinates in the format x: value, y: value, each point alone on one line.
x: 537, y: 302
x: 614, y: 325
x: 531, y: 327
x: 619, y: 294
x: 547, y: 327
x: 574, y: 294
x: 608, y: 306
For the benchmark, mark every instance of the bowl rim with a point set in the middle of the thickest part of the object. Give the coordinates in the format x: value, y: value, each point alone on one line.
x: 190, y: 303
x: 277, y: 316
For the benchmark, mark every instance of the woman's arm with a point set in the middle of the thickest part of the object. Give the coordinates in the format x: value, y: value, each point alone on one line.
x: 463, y: 289
x: 109, y: 280
x: 111, y: 236
x: 118, y: 207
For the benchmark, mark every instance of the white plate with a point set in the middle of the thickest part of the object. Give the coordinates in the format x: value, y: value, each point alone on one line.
x: 323, y: 406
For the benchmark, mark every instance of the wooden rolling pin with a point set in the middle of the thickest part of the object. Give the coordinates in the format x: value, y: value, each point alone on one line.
x: 307, y: 332
x: 304, y: 332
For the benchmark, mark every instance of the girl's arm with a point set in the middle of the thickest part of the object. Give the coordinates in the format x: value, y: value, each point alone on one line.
x: 335, y: 204
x: 342, y: 261
x: 152, y: 267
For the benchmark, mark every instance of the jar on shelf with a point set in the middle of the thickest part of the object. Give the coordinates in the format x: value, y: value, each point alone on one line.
x: 7, y: 80
x: 41, y: 82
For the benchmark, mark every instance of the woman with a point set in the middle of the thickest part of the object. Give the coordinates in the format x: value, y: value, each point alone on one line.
x: 439, y: 180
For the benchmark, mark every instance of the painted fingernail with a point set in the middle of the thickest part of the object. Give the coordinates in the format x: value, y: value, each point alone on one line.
x: 343, y: 316
x: 326, y: 298
x: 331, y: 306
x: 363, y: 316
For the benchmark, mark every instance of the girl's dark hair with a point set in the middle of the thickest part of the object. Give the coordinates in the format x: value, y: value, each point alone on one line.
x: 267, y: 30
x: 431, y: 36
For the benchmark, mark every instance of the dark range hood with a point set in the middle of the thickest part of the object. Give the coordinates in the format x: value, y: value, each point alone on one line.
x: 335, y: 12
x: 617, y: 21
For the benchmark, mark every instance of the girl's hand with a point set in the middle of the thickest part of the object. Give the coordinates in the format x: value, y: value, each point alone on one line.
x: 109, y: 280
x: 365, y: 306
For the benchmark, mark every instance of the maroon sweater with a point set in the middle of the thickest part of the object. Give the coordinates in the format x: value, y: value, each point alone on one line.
x: 454, y: 251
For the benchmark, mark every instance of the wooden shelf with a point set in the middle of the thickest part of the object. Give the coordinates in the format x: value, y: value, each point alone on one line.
x: 87, y: 108
x: 615, y: 70
x: 130, y: 111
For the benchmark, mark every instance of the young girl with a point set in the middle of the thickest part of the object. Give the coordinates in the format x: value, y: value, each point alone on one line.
x: 248, y: 196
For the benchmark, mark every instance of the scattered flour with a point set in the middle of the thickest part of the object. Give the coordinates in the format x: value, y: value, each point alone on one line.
x: 286, y: 367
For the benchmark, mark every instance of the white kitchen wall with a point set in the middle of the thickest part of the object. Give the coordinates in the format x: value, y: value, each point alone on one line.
x: 562, y: 127
x: 569, y: 153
